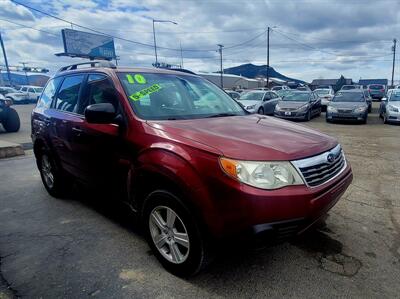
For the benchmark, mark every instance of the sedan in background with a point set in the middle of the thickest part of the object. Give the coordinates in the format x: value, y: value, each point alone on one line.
x: 299, y: 105
x: 326, y: 95
x: 348, y: 105
x: 259, y: 101
x: 233, y: 94
x: 377, y: 91
x: 350, y: 87
x: 283, y: 87
x: 389, y: 110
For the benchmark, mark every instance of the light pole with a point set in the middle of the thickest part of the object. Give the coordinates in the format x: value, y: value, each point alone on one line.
x: 154, y: 35
x: 221, y: 68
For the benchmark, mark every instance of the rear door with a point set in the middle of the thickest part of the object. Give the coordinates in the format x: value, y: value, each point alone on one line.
x: 315, y: 103
x: 62, y: 114
x: 274, y: 100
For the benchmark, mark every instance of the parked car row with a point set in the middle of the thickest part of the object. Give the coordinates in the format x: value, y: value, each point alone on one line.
x: 389, y: 109
x: 25, y: 94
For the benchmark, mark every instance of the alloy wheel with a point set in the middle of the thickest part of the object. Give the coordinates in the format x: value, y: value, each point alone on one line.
x: 47, y: 171
x: 169, y: 234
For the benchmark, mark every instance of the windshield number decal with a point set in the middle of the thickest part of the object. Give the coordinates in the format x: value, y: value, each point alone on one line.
x: 136, y: 78
x: 144, y: 92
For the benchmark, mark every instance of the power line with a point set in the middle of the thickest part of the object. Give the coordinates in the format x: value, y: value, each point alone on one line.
x: 27, y: 27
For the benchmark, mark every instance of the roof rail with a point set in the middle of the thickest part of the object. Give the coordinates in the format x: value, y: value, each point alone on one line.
x: 94, y: 63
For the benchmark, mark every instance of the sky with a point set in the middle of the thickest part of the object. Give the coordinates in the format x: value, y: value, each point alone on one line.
x: 309, y: 39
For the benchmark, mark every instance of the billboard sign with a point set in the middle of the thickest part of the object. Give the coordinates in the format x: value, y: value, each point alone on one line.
x: 87, y: 45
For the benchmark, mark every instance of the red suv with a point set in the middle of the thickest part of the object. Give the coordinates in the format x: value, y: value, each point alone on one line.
x: 192, y: 164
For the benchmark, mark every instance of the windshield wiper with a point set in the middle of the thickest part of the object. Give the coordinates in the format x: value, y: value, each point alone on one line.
x: 222, y: 115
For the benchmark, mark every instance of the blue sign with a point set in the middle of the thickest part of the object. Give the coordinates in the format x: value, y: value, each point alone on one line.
x: 88, y: 45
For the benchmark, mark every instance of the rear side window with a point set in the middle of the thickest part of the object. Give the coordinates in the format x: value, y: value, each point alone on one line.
x: 48, y: 94
x: 67, y: 96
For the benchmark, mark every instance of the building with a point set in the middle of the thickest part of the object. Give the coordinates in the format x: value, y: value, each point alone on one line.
x: 365, y: 82
x: 330, y: 82
x: 231, y: 81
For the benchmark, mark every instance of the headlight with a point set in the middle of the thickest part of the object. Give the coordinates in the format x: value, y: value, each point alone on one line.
x: 360, y: 109
x: 331, y: 109
x: 393, y: 109
x: 277, y: 107
x: 264, y: 175
x: 303, y: 108
x: 251, y: 107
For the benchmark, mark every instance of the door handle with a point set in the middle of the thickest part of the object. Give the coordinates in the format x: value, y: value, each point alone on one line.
x: 78, y: 131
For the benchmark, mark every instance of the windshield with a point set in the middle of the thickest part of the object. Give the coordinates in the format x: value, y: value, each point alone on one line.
x: 395, y: 97
x: 376, y: 87
x: 321, y: 92
x: 348, y: 97
x: 348, y: 87
x: 297, y: 97
x: 167, y: 96
x: 252, y: 96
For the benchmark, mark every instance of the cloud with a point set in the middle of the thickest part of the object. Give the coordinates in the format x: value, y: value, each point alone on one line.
x: 312, y: 39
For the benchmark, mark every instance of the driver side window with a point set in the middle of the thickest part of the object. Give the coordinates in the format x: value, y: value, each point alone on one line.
x: 267, y: 97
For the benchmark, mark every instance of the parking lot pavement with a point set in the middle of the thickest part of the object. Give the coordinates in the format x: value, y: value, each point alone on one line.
x: 82, y: 247
x: 23, y: 136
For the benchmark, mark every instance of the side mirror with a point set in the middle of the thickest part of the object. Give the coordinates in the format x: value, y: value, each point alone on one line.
x: 103, y: 113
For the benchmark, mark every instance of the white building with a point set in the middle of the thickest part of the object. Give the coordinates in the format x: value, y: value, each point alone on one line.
x: 231, y: 81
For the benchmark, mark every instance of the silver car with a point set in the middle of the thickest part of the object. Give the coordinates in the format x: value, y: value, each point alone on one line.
x: 326, y: 95
x: 389, y: 109
x: 259, y: 101
x: 348, y: 105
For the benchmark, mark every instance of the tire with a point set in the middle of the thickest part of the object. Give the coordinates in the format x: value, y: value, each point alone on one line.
x: 308, y: 116
x: 191, y: 256
x: 10, y: 99
x: 364, y: 121
x: 12, y: 122
x: 261, y: 111
x: 54, y: 179
x: 369, y: 109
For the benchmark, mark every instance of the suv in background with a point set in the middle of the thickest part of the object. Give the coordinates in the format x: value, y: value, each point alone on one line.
x: 31, y: 93
x: 193, y: 165
x: 377, y: 91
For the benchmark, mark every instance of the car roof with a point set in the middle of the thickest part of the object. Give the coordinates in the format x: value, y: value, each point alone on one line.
x: 352, y: 91
x: 125, y: 70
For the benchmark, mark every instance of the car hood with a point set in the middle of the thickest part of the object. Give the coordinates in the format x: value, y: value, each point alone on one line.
x: 347, y: 105
x: 394, y: 104
x: 290, y: 104
x: 249, y: 137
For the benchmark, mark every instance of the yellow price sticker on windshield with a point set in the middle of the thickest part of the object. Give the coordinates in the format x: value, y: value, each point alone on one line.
x: 144, y: 92
x: 136, y: 78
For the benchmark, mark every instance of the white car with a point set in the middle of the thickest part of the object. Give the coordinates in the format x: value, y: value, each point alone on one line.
x: 326, y: 95
x: 283, y: 87
x: 32, y: 92
x: 389, y: 109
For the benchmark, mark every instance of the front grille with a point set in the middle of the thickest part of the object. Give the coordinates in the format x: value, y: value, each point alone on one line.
x: 317, y: 170
x: 345, y: 110
x: 288, y: 109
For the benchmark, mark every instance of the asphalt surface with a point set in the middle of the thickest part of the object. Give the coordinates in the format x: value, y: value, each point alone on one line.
x: 83, y: 247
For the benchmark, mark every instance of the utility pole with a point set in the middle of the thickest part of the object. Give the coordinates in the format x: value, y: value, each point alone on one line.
x: 221, y: 69
x: 180, y: 44
x: 155, y: 44
x: 394, y: 59
x: 268, y: 29
x: 5, y: 60
x: 24, y: 69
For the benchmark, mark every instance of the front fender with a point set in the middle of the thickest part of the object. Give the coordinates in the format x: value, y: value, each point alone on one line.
x: 178, y: 168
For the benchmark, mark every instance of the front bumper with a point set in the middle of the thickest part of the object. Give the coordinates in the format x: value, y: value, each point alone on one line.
x: 393, y: 116
x: 286, y: 211
x: 346, y: 116
x: 290, y: 114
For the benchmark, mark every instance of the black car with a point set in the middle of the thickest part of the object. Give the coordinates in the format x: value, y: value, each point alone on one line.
x: 8, y: 116
x: 300, y: 105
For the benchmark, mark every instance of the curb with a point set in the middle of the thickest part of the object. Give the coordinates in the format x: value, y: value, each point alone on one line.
x: 8, y: 149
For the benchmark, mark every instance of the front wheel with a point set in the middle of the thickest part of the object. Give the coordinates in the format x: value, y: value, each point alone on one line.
x: 173, y: 234
x: 261, y: 111
x: 308, y: 116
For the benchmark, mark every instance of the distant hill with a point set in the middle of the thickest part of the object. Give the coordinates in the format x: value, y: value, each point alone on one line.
x: 252, y: 71
x: 20, y: 79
